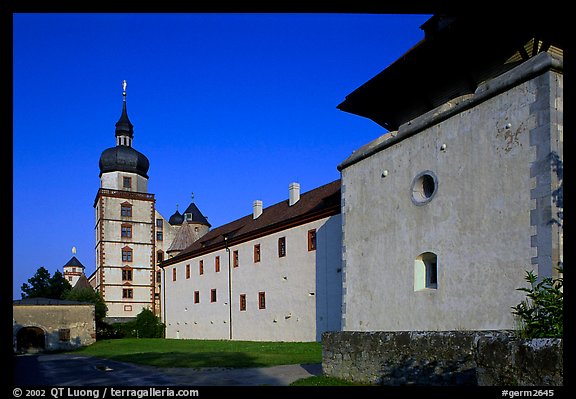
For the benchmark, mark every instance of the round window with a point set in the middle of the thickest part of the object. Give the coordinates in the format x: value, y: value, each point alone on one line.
x: 424, y: 187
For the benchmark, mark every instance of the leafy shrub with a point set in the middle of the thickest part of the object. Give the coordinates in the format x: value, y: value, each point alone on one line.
x: 541, y: 314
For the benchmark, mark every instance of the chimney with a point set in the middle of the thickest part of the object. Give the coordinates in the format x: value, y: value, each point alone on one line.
x: 257, y: 206
x: 294, y: 193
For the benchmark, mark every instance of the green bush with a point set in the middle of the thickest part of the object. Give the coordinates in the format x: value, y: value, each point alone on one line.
x: 541, y: 314
x: 148, y: 325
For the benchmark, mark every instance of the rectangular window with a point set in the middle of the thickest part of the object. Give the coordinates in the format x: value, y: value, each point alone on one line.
x: 159, y: 277
x: 213, y: 295
x: 127, y: 293
x: 64, y: 334
x: 235, y: 257
x: 159, y: 256
x: 126, y: 274
x: 196, y: 296
x: 159, y: 223
x: 312, y: 240
x: 187, y: 271
x: 201, y: 267
x: 159, y: 235
x: 261, y: 300
x: 174, y: 274
x: 126, y: 254
x: 217, y: 264
x: 126, y: 231
x: 127, y: 182
x: 256, y: 253
x: 126, y: 210
x: 281, y: 247
x: 242, y: 302
x: 127, y: 308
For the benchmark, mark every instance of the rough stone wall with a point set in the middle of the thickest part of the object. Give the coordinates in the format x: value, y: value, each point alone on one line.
x: 484, y: 358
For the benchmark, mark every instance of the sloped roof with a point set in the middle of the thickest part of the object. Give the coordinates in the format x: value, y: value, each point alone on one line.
x: 74, y: 262
x: 457, y: 54
x: 82, y: 283
x: 197, y: 216
x: 185, y: 236
x: 315, y: 204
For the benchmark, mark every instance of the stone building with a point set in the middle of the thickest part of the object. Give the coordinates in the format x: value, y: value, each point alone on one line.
x: 443, y: 215
x: 272, y: 275
x: 41, y: 324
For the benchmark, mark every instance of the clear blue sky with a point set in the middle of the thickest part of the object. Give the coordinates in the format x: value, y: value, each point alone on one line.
x: 232, y: 107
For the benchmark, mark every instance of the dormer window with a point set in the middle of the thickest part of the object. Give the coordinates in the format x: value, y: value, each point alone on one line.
x: 188, y: 216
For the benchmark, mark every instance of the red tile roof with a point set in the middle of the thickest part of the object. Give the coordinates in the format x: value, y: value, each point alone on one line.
x: 315, y: 204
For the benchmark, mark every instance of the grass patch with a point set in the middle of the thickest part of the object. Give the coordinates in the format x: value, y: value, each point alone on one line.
x: 323, y: 381
x: 161, y: 352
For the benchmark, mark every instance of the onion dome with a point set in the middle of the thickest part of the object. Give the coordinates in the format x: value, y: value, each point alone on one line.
x: 124, y: 158
x: 176, y: 219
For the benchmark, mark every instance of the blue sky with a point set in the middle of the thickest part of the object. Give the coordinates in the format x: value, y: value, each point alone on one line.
x: 232, y: 107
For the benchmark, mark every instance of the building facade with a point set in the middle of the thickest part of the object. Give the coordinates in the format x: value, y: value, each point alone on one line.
x: 443, y: 216
x: 274, y: 275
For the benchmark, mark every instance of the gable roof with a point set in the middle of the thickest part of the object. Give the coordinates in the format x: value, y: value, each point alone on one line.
x: 315, y: 204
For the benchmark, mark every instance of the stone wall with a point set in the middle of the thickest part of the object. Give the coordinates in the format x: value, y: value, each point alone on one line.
x: 484, y: 358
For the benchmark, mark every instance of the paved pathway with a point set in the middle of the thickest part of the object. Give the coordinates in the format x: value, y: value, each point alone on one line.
x: 75, y: 370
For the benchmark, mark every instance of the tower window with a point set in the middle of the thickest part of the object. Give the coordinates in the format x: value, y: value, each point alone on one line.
x: 426, y: 271
x: 159, y: 223
x: 126, y: 209
x: 127, y: 182
x: 127, y: 293
x: 126, y: 274
x: 159, y: 256
x: 159, y: 235
x: 126, y: 254
x: 126, y: 231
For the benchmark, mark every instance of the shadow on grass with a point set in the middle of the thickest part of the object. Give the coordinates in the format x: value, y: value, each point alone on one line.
x: 192, y: 360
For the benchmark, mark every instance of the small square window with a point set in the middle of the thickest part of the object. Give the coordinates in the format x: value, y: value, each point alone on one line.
x: 64, y: 334
x: 127, y: 182
x: 127, y: 293
x: 159, y: 223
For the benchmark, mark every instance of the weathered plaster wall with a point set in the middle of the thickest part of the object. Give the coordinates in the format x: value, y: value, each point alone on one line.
x: 488, y: 221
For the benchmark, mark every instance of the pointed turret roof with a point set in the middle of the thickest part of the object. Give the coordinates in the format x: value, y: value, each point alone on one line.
x: 184, y: 238
x: 195, y: 215
x: 74, y: 262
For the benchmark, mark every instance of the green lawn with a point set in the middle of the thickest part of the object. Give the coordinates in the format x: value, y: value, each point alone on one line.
x: 160, y: 352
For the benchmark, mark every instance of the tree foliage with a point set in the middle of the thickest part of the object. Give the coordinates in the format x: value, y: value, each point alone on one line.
x: 541, y: 314
x: 41, y: 285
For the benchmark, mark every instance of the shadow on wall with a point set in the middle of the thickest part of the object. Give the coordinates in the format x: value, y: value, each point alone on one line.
x: 329, y: 277
x: 33, y: 339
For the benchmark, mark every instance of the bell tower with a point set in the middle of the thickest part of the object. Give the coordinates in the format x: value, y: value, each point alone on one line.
x: 125, y: 227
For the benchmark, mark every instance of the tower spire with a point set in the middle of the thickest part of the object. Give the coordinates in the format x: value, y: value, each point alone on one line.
x: 124, y: 128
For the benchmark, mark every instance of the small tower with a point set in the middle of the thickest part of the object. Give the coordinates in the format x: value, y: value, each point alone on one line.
x: 193, y: 225
x: 73, y: 269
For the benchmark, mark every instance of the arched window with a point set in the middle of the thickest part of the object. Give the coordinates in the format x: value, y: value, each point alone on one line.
x: 426, y: 271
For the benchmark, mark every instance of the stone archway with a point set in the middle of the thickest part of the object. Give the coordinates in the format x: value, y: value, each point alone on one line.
x: 30, y: 339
